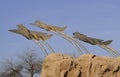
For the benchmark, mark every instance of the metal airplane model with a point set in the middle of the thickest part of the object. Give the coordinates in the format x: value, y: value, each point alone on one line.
x: 99, y: 42
x: 49, y: 27
x: 60, y: 31
x: 90, y: 40
x: 33, y: 35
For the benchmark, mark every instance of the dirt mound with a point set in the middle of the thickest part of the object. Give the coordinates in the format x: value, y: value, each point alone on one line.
x: 87, y: 65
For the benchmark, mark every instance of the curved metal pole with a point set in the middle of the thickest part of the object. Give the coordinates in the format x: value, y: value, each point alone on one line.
x: 108, y: 50
x: 69, y: 40
x: 113, y: 50
x: 77, y: 42
x: 41, y: 46
x: 48, y: 46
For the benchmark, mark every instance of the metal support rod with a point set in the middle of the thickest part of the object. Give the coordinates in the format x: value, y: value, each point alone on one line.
x: 77, y: 42
x: 69, y: 40
x: 41, y: 46
x: 48, y: 46
x: 113, y: 50
x: 108, y: 50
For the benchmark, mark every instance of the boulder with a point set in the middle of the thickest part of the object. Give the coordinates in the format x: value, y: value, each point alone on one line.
x: 87, y: 65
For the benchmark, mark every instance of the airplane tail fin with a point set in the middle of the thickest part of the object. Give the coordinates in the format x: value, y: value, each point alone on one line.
x: 61, y: 28
x: 64, y: 28
x: 48, y: 36
x: 107, y: 42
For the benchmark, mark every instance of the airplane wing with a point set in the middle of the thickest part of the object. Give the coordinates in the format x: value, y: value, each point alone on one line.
x: 20, y: 32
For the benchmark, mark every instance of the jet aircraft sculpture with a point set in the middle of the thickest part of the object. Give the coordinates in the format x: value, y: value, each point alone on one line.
x: 33, y: 35
x: 99, y: 42
x: 60, y: 31
x: 90, y: 40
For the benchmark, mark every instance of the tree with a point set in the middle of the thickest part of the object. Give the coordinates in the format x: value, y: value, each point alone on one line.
x: 28, y: 64
x: 11, y: 69
x: 31, y: 63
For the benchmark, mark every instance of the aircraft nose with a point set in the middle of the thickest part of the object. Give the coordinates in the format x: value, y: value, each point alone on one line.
x: 73, y: 33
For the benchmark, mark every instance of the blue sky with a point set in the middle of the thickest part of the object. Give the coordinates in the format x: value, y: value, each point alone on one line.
x: 95, y: 18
